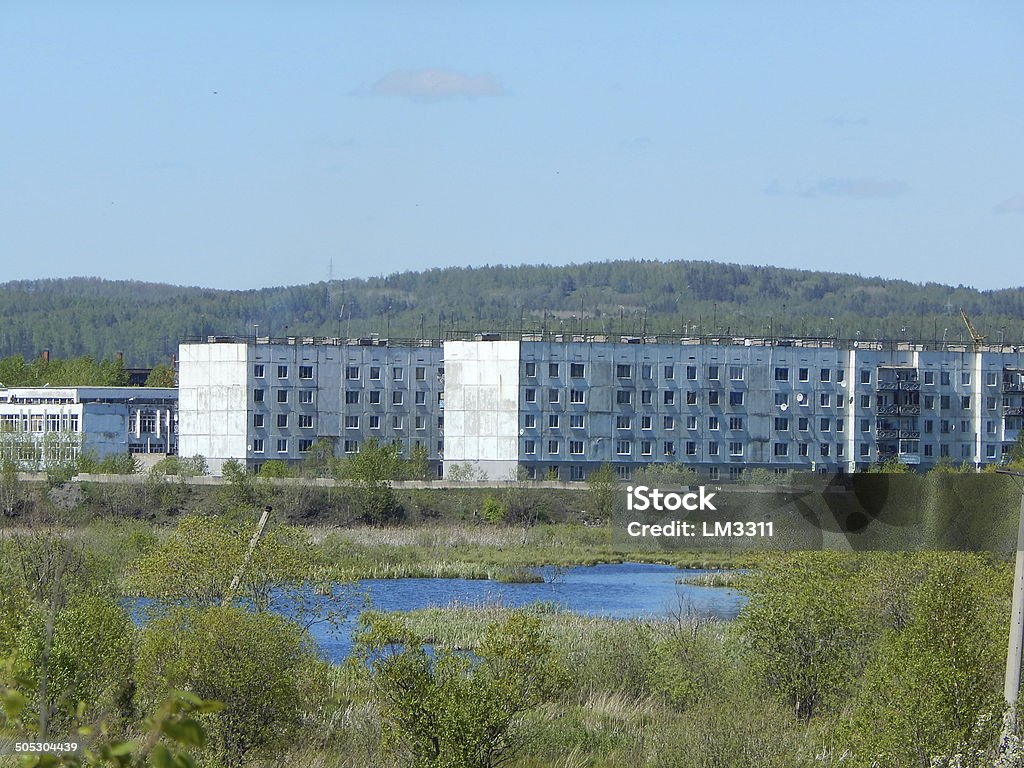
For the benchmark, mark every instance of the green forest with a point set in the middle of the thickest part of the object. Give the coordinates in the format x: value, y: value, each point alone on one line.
x: 94, y: 317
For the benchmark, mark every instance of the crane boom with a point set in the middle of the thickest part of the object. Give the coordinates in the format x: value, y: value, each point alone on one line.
x: 977, y: 338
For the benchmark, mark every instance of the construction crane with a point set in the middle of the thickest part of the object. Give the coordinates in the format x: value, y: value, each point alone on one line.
x: 976, y: 337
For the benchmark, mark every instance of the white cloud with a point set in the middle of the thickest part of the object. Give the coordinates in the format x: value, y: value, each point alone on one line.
x: 436, y: 85
x: 1012, y: 205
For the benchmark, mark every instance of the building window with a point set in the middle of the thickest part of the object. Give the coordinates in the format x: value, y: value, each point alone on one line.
x: 713, y: 397
x: 865, y: 376
x: 929, y: 377
x: 865, y: 450
x: 944, y: 402
x: 646, y: 422
x: 553, y: 370
x: 623, y: 397
x: 669, y: 448
x: 735, y: 373
x: 646, y: 396
x: 530, y: 395
x: 374, y: 397
x: 713, y: 372
x: 397, y: 422
x: 944, y: 378
x: 282, y: 395
x: 802, y: 449
x: 691, y: 398
x: 257, y: 445
x: 529, y: 447
x: 691, y: 373
x: 668, y: 422
x: 351, y: 422
x: 669, y: 397
x: 691, y: 447
x: 305, y: 396
x: 305, y: 421
x: 782, y: 374
x: 421, y: 422
x: 305, y: 445
x: 282, y: 421
x: 670, y: 371
x: 735, y: 423
x: 623, y: 447
x: 623, y: 371
x: 712, y: 448
x: 257, y: 395
x: 826, y: 375
x: 529, y: 421
x: 646, y: 372
x: 735, y: 398
x: 712, y: 423
x: 576, y: 396
x: 825, y: 400
x: 576, y: 370
x: 645, y: 447
x: 420, y: 397
x: 714, y: 474
x: 530, y: 369
x: 691, y: 422
x: 351, y: 396
x: 374, y: 373
x: 781, y: 423
x: 282, y: 371
x: 398, y: 373
x: 576, y: 472
x: 781, y: 449
x: 421, y: 373
x: 282, y: 445
x: 257, y: 420
x: 965, y: 402
x: 782, y: 398
x: 552, y: 447
x: 553, y: 421
x: 397, y: 398
x: 352, y: 373
x: 553, y: 395
x: 965, y: 378
x: 841, y: 450
x: 825, y: 425
x: 259, y: 370
x: 577, y: 421
x: 865, y: 401
x: 803, y: 374
x: 576, y: 447
x: 735, y: 449
x: 929, y: 401
x: 351, y: 446
x: 623, y: 422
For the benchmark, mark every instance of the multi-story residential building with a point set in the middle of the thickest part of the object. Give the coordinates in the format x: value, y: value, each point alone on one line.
x: 254, y: 400
x: 43, y: 425
x: 561, y: 405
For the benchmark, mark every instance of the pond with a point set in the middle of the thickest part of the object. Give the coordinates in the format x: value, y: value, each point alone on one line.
x: 619, y: 590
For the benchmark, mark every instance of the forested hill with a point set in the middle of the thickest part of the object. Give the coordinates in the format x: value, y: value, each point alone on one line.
x: 89, y: 316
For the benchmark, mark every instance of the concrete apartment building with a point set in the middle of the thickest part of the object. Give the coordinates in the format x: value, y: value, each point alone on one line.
x: 43, y: 425
x: 561, y: 405
x: 258, y: 399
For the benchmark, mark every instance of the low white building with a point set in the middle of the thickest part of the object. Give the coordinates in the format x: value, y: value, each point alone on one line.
x: 43, y: 425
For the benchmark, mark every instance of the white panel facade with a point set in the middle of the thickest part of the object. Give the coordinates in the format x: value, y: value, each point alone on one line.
x: 213, y: 402
x: 482, y: 406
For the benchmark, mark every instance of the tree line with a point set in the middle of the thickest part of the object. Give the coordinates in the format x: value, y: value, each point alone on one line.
x: 88, y: 316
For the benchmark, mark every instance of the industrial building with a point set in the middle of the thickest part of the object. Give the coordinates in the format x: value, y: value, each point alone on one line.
x: 260, y: 399
x: 559, y: 405
x: 40, y: 426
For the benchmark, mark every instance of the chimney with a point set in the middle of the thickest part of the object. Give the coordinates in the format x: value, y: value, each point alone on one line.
x: 46, y: 356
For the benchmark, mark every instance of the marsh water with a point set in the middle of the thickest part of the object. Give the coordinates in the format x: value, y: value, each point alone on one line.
x: 619, y: 590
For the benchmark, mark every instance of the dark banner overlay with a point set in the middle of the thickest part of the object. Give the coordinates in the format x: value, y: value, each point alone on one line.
x: 862, y: 512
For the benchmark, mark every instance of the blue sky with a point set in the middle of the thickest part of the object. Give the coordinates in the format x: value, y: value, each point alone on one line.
x: 246, y: 144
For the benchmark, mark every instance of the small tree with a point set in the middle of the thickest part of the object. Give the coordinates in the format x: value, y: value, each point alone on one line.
x: 162, y: 375
x: 451, y: 710
x: 371, y: 472
x: 603, y: 489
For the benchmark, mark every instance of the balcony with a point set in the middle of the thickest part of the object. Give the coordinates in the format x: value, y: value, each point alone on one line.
x: 887, y: 434
x: 910, y: 410
x: 910, y: 434
x: 889, y: 409
x: 1012, y: 410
